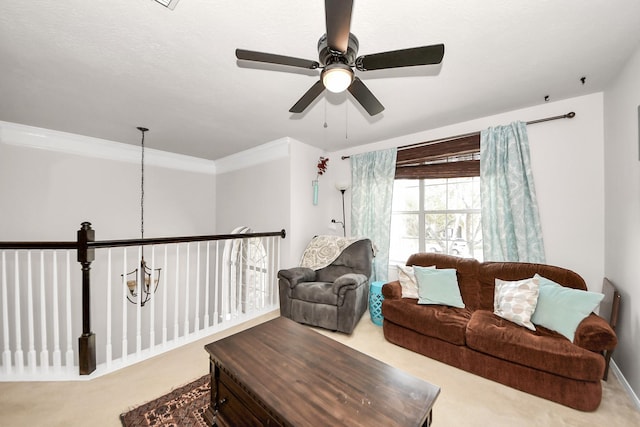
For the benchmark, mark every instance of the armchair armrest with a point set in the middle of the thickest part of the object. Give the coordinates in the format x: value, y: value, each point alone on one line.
x: 297, y: 275
x: 392, y: 290
x: 595, y: 334
x: 348, y: 281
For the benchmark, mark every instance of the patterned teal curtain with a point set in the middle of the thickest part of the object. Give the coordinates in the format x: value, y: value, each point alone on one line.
x: 372, y: 176
x: 510, y: 222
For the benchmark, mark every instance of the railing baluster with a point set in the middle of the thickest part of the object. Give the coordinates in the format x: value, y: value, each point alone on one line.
x: 164, y: 299
x: 152, y: 303
x: 249, y: 281
x: 274, y: 273
x: 240, y: 280
x: 44, y: 352
x: 225, y: 286
x: 69, y: 355
x: 125, y: 340
x: 186, y: 295
x: 56, y: 355
x: 207, y: 285
x: 31, y: 353
x: 196, y: 317
x: 176, y: 331
x: 216, y: 287
x: 109, y: 346
x: 6, y: 353
x: 18, y: 355
x: 140, y: 285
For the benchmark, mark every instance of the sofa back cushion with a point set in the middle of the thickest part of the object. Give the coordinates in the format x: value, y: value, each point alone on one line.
x: 466, y: 271
x: 489, y: 271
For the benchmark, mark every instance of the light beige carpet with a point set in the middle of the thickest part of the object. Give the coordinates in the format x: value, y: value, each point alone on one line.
x: 465, y: 399
x: 470, y: 400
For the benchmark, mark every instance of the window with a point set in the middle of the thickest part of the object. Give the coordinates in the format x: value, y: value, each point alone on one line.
x: 436, y: 199
x: 436, y: 215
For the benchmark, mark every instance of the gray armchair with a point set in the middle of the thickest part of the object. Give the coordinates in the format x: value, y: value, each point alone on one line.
x: 334, y: 297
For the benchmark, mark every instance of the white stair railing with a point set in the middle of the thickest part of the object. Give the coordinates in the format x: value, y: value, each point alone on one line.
x: 207, y: 284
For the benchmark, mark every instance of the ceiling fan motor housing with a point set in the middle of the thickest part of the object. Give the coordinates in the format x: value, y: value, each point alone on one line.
x: 328, y: 56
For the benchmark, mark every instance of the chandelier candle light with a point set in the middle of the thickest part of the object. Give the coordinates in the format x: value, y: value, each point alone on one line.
x: 322, y: 168
x: 142, y: 285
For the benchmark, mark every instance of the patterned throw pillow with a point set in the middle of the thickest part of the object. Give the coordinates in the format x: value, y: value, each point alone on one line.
x: 408, y: 282
x: 516, y: 301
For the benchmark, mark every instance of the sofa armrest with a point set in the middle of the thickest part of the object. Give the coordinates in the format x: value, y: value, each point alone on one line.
x: 348, y: 281
x: 297, y: 275
x: 595, y: 334
x: 392, y: 290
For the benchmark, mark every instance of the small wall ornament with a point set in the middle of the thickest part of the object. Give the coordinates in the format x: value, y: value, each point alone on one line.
x: 322, y: 168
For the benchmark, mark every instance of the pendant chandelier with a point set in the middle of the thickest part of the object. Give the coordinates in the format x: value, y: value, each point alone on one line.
x: 143, y: 279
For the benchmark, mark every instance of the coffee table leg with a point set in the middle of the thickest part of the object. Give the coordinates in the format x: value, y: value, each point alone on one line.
x: 210, y: 412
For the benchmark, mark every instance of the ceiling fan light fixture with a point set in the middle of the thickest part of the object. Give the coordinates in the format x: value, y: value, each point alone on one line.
x: 337, y: 77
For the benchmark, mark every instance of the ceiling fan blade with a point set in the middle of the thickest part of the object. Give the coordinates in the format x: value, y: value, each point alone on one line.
x: 338, y: 21
x: 308, y: 97
x: 363, y: 95
x: 425, y: 55
x: 270, y: 58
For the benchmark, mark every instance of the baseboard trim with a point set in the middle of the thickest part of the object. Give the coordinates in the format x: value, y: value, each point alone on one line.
x: 625, y: 384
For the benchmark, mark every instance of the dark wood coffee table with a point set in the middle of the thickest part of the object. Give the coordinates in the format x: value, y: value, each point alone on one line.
x: 282, y: 373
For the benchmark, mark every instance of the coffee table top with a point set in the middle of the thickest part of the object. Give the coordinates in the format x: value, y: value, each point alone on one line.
x: 308, y: 378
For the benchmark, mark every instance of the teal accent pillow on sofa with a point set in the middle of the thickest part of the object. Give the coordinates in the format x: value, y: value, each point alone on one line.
x: 562, y: 309
x: 438, y: 286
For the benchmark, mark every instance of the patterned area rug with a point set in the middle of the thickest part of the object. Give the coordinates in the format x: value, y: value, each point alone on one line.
x: 183, y: 407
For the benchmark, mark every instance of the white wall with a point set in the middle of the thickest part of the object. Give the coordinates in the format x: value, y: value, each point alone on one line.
x: 252, y: 190
x: 622, y: 211
x: 566, y: 158
x: 307, y: 219
x: 269, y: 188
x: 47, y: 189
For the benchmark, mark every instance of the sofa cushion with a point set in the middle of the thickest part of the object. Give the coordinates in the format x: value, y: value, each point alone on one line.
x: 437, y: 321
x: 541, y: 349
x: 562, y: 309
x: 516, y: 300
x: 438, y: 286
x: 488, y: 272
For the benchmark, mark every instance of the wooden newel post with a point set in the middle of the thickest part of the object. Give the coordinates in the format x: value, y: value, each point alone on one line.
x: 87, y: 341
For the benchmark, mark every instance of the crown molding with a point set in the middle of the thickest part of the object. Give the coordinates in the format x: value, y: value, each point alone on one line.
x: 69, y: 143
x: 270, y: 151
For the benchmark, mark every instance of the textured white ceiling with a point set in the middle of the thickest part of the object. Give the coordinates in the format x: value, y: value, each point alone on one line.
x: 101, y: 68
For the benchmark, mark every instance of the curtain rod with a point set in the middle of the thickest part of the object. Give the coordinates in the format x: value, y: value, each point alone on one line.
x: 569, y: 115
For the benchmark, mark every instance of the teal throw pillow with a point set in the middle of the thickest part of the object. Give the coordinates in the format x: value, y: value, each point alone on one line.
x: 438, y: 286
x: 562, y: 309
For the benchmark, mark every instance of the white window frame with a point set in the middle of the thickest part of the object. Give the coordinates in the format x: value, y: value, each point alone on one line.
x: 422, y: 212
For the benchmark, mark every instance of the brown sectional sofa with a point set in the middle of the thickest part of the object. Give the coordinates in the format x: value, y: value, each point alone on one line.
x: 541, y: 362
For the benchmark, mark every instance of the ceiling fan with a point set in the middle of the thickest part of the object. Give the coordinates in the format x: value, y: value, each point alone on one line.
x: 337, y: 50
